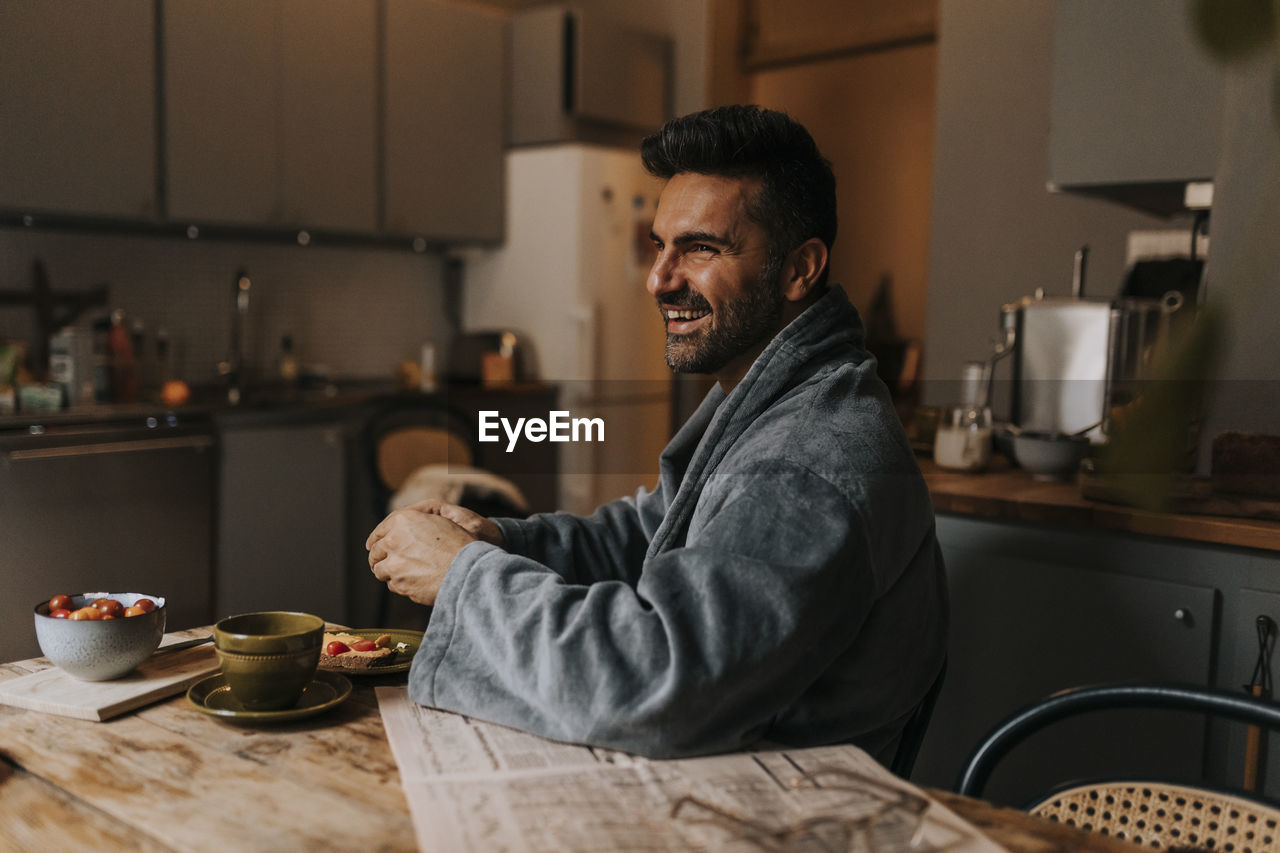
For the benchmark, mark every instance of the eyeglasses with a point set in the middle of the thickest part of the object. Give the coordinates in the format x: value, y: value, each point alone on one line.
x: 876, y: 818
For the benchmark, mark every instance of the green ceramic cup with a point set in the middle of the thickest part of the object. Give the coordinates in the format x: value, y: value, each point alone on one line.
x: 268, y: 658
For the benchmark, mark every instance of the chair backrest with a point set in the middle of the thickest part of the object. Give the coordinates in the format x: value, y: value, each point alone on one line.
x: 409, y: 431
x: 917, y: 724
x: 1158, y: 814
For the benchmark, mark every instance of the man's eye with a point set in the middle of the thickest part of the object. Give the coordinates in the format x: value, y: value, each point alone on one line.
x: 703, y: 247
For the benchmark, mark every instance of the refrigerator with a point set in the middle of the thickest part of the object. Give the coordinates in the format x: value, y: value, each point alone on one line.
x: 570, y: 278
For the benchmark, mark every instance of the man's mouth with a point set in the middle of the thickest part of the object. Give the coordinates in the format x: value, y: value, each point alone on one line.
x: 683, y: 320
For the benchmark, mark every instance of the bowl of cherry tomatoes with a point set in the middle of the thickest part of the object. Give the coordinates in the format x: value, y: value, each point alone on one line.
x: 97, y: 636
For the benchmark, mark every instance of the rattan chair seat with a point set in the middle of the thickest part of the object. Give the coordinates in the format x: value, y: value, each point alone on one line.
x: 1164, y: 816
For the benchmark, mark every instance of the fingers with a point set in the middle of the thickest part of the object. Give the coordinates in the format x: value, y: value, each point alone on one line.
x: 461, y: 516
x: 431, y: 506
x: 474, y: 523
x: 377, y: 554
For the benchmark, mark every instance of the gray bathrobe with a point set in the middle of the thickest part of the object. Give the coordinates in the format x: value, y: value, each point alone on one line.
x: 783, y: 582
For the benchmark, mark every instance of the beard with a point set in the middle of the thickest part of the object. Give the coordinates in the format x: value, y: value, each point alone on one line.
x: 736, y: 327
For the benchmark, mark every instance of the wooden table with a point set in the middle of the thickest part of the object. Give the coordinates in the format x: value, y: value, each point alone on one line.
x: 169, y: 778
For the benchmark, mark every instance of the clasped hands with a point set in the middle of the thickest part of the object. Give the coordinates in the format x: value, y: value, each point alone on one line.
x: 412, y: 548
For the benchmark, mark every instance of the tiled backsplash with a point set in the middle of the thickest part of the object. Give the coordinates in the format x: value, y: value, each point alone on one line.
x: 356, y: 311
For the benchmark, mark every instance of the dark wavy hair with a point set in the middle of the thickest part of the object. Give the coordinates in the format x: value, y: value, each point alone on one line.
x: 797, y: 198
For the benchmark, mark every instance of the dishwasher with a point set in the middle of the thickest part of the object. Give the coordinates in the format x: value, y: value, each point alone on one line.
x: 116, y: 506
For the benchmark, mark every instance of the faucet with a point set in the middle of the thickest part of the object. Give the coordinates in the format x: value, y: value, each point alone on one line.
x: 233, y: 367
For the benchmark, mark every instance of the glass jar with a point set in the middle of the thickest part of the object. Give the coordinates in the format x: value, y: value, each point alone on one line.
x: 963, y: 440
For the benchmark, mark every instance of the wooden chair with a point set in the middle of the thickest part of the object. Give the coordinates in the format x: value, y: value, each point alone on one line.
x: 1156, y: 814
x: 406, y: 432
x: 409, y: 431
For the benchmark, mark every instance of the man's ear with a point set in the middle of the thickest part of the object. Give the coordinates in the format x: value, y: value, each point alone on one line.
x: 803, y: 267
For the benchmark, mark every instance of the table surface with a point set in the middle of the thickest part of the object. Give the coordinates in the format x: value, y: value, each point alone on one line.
x: 169, y: 778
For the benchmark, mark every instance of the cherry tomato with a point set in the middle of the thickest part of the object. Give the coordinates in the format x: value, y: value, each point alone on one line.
x: 364, y: 646
x: 135, y: 610
x: 146, y: 604
x: 59, y: 602
x: 106, y: 616
x: 109, y: 606
x: 335, y: 648
x: 60, y: 613
x: 91, y: 613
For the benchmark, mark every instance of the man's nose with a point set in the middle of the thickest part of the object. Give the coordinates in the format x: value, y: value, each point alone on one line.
x: 663, y: 276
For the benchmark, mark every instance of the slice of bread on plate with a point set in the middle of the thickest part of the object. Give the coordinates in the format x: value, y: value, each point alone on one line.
x: 353, y: 658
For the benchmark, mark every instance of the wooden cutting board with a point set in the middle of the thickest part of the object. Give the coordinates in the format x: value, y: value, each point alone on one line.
x: 52, y: 691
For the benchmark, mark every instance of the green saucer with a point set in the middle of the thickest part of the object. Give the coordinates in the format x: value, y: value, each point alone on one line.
x: 212, y: 696
x: 411, y: 639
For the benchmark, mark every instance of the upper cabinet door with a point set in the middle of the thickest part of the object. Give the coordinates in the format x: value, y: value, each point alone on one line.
x: 272, y: 113
x: 1137, y: 103
x: 77, y: 108
x: 222, y: 154
x: 445, y: 103
x: 329, y: 114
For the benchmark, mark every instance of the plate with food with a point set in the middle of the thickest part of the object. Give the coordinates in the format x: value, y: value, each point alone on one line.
x: 368, y: 651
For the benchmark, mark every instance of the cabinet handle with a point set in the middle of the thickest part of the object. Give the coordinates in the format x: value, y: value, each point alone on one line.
x: 1183, y: 615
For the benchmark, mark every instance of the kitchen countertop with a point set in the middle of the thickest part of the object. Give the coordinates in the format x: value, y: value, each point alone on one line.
x: 260, y: 405
x: 1006, y: 492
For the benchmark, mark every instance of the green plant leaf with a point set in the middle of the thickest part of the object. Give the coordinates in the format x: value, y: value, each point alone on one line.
x: 1155, y: 443
x: 1236, y: 29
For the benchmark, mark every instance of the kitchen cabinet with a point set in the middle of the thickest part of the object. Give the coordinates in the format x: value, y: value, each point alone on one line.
x: 1136, y: 106
x: 78, y: 108
x: 579, y: 76
x: 1242, y: 636
x: 108, y: 508
x: 1038, y: 607
x: 271, y: 113
x: 1026, y: 623
x: 282, y: 518
x: 445, y: 107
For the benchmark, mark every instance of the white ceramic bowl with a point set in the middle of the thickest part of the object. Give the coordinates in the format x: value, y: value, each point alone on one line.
x: 1049, y: 456
x: 100, y: 650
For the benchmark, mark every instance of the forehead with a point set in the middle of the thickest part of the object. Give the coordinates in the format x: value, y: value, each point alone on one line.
x: 711, y: 203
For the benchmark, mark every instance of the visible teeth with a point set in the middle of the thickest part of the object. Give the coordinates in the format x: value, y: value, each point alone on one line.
x: 685, y: 314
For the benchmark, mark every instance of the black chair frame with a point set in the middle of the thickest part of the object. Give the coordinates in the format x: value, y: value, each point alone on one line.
x: 1067, y: 703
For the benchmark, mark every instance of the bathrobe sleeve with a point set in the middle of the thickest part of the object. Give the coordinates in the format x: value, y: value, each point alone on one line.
x: 713, y: 642
x: 609, y: 544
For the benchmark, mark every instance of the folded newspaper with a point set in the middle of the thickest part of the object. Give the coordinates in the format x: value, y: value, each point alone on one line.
x: 476, y: 786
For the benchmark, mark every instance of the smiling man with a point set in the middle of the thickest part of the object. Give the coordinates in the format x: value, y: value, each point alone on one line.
x: 783, y: 581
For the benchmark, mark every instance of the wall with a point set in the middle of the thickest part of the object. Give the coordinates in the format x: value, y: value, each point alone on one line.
x: 996, y: 234
x: 356, y: 311
x: 872, y: 116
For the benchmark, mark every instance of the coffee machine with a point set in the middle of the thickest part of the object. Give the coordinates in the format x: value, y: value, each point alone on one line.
x: 1077, y: 359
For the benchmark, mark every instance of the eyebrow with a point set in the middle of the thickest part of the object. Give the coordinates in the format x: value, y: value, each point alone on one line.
x: 695, y: 237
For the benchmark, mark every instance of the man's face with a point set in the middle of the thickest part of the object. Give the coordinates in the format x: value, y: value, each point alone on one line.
x: 719, y: 296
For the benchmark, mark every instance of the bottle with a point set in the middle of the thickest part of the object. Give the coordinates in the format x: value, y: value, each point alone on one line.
x: 124, y: 364
x: 427, y: 381
x: 288, y: 361
x: 101, y: 360
x: 963, y: 439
